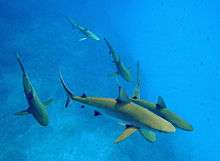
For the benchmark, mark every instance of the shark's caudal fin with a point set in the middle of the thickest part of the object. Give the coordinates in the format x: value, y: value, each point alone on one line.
x: 137, y: 88
x: 20, y: 63
x: 115, y: 57
x: 67, y: 90
x: 72, y: 22
x: 108, y: 45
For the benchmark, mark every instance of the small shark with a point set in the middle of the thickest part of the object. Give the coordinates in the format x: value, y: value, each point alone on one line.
x: 121, y: 69
x: 87, y: 33
x: 159, y: 108
x: 36, y: 107
x: 134, y: 117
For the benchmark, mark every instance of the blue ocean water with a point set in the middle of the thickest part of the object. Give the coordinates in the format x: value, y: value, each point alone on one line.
x: 177, y: 44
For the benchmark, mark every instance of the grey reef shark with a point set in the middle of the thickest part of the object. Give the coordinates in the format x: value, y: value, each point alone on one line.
x: 132, y: 116
x: 36, y: 107
x: 159, y: 108
x: 121, y: 69
x: 86, y: 32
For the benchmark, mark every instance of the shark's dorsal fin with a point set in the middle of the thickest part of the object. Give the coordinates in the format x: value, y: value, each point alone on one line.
x: 125, y: 134
x: 83, y: 95
x: 48, y: 102
x: 160, y: 103
x: 123, y: 97
x: 148, y: 135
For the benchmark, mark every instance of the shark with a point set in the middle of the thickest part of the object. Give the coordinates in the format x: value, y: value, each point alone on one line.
x: 132, y: 116
x: 86, y: 32
x: 122, y: 70
x: 36, y: 107
x: 160, y: 108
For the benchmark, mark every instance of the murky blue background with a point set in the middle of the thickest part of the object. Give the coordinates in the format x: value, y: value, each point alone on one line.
x: 177, y: 44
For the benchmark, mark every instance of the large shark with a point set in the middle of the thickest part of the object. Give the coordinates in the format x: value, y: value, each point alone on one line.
x: 87, y: 33
x: 159, y: 108
x: 121, y: 68
x: 134, y: 117
x: 36, y: 107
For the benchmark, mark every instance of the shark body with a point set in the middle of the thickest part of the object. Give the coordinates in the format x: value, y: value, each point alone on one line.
x: 36, y: 107
x: 122, y: 70
x: 87, y: 33
x: 162, y: 110
x: 159, y: 108
x: 135, y: 117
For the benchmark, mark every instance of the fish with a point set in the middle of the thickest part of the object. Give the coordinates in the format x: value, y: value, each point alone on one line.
x: 86, y: 32
x: 135, y: 117
x: 121, y: 69
x: 159, y: 108
x: 36, y: 107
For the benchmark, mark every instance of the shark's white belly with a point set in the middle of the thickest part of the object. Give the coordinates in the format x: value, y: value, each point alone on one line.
x: 120, y: 118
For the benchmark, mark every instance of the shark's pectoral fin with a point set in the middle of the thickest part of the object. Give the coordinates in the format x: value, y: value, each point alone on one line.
x: 48, y: 102
x: 148, y: 135
x: 67, y: 101
x: 126, y: 133
x: 123, y: 97
x: 23, y: 112
x: 97, y: 113
x: 114, y: 74
x: 83, y: 38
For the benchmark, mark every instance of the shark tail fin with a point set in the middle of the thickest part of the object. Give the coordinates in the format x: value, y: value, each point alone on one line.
x: 116, y: 58
x: 108, y: 45
x: 67, y: 90
x: 71, y: 21
x: 20, y: 63
x: 137, y: 89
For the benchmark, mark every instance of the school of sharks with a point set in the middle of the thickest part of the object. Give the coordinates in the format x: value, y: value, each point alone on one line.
x: 132, y: 112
